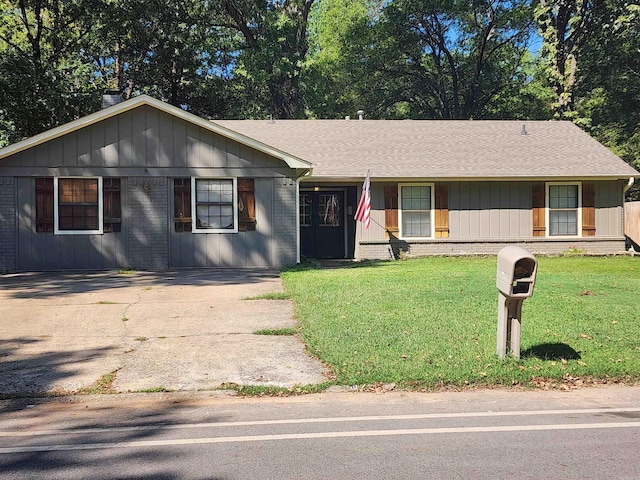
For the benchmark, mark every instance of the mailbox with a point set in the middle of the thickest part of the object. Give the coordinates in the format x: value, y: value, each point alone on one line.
x: 515, y: 279
x: 516, y: 272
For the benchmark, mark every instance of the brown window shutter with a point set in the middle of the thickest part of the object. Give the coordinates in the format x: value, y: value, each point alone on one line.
x: 182, y: 204
x: 112, y: 207
x: 588, y: 210
x: 391, y: 210
x: 537, y: 210
x: 246, y: 205
x: 442, y: 211
x: 44, y: 204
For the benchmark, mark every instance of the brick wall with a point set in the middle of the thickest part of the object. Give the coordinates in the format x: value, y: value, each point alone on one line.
x: 284, y: 221
x: 385, y: 250
x: 147, y: 220
x: 7, y: 224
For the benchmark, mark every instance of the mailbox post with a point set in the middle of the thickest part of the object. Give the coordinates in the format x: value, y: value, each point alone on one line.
x: 515, y: 279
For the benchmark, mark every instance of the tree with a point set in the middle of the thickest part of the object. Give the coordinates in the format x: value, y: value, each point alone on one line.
x: 608, y: 88
x: 269, y: 67
x: 564, y: 25
x: 443, y: 59
x: 341, y: 31
x: 43, y: 79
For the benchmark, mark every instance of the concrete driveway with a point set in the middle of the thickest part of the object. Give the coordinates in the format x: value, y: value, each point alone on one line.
x: 181, y: 330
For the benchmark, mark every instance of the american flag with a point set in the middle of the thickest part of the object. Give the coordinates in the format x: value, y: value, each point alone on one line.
x: 364, y: 206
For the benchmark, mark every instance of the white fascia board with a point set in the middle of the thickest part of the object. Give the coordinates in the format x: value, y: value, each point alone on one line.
x: 537, y: 178
x: 290, y: 160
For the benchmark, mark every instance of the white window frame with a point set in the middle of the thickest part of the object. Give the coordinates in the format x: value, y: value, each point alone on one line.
x: 194, y: 212
x: 547, y: 210
x: 432, y: 234
x: 56, y: 217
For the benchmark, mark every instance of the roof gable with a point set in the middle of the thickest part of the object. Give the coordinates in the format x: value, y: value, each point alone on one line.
x: 142, y: 100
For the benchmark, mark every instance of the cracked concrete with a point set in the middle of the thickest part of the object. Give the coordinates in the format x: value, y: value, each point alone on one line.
x: 186, y: 330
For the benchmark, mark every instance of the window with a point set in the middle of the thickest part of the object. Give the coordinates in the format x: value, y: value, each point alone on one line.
x: 78, y: 205
x: 564, y: 207
x: 182, y: 204
x: 44, y: 205
x: 215, y: 204
x: 328, y: 210
x: 415, y: 210
x: 112, y: 208
x: 305, y: 210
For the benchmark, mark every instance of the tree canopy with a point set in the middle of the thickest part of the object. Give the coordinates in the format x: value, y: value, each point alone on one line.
x: 431, y: 59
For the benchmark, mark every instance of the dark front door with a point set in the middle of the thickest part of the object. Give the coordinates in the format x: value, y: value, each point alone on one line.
x: 322, y: 224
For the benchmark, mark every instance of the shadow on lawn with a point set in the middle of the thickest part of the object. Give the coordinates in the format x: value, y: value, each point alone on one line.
x: 551, y: 351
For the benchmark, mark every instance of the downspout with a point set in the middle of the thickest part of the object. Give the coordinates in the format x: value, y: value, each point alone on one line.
x: 304, y: 174
x: 624, y: 215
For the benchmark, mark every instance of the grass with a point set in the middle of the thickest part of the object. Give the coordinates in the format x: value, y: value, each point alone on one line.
x: 270, y: 391
x: 271, y: 296
x: 276, y: 331
x: 432, y: 322
x: 154, y: 390
x: 101, y: 386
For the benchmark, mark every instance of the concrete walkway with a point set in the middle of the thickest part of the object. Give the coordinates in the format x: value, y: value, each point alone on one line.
x: 182, y: 330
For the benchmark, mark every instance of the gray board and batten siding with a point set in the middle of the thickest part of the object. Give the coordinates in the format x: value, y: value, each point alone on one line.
x: 142, y: 146
x: 484, y: 216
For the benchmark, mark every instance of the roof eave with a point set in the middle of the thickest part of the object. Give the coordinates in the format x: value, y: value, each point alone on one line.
x: 337, y: 178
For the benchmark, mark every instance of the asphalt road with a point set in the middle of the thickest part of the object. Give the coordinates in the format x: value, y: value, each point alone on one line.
x: 586, y: 434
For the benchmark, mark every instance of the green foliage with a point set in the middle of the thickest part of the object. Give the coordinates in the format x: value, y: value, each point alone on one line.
x: 563, y: 24
x: 341, y: 37
x: 608, y: 103
x: 44, y: 78
x: 327, y: 59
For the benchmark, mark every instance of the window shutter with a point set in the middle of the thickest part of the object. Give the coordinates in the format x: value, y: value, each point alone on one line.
x: 182, y: 204
x: 112, y: 207
x: 442, y: 211
x: 391, y: 210
x: 537, y: 210
x: 44, y: 204
x: 588, y: 210
x: 246, y: 205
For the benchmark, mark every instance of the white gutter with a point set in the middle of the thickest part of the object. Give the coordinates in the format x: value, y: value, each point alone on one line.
x: 305, y: 174
x: 298, y: 221
x: 628, y: 185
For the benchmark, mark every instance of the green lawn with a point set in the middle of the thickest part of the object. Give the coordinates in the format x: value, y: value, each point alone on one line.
x: 432, y: 322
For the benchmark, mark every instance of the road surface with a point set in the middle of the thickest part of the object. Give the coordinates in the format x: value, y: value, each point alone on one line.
x: 586, y: 434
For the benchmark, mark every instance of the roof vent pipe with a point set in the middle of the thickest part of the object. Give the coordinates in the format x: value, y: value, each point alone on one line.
x: 524, y: 130
x: 360, y: 114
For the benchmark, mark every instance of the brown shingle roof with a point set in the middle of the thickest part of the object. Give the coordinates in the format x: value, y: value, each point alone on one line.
x: 438, y: 148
